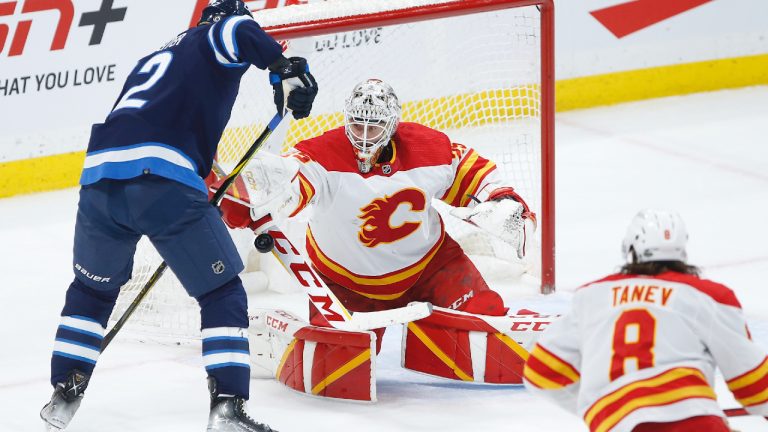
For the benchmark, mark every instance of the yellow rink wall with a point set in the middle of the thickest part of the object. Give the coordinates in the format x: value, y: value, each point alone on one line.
x: 662, y: 81
x: 40, y: 174
x: 62, y: 171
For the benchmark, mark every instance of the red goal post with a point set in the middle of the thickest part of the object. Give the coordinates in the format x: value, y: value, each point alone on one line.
x: 433, y: 10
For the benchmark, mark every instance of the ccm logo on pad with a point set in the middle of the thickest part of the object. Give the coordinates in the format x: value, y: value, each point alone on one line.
x: 277, y: 324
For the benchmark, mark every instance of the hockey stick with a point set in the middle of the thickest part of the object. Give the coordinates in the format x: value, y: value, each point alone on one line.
x: 215, y: 200
x: 739, y: 412
x: 335, y: 314
x: 736, y: 412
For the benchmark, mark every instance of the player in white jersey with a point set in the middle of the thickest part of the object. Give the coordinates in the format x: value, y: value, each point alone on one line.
x: 638, y: 350
x: 374, y: 235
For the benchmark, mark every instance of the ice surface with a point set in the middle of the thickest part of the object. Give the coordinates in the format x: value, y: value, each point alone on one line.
x: 704, y: 155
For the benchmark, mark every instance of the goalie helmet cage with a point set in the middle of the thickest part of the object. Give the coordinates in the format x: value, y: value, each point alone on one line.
x: 482, y: 71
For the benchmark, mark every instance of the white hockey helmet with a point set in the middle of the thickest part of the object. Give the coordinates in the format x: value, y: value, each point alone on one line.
x: 656, y: 235
x: 371, y: 116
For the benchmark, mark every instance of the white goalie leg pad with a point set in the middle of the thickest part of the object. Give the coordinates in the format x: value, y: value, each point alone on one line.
x: 264, y: 346
x: 318, y: 361
x: 472, y: 348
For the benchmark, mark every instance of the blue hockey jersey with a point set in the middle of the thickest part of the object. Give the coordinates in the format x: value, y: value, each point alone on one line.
x: 175, y: 104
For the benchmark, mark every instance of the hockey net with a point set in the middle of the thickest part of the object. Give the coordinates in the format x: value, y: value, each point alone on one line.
x: 479, y: 70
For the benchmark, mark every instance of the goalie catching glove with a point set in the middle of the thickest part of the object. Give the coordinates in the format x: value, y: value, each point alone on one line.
x: 504, y: 215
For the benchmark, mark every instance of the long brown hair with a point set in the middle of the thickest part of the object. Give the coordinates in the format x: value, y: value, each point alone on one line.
x: 652, y: 268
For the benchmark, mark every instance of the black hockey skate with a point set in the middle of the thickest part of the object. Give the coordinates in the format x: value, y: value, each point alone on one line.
x: 228, y: 414
x: 65, y: 401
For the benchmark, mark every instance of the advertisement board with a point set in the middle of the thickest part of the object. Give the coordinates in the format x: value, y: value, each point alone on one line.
x: 63, y: 62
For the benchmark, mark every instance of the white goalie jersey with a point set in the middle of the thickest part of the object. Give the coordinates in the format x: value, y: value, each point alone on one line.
x: 376, y: 232
x: 637, y: 349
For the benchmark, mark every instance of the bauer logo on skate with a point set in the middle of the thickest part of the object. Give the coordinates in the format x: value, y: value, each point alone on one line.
x: 377, y: 217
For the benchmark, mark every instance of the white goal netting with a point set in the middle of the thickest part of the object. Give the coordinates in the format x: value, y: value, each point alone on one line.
x: 476, y: 77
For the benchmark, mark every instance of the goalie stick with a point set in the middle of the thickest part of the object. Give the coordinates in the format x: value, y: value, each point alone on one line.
x: 739, y: 412
x: 215, y: 200
x: 331, y: 309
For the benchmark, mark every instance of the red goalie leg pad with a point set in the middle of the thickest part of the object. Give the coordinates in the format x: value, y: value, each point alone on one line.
x: 332, y: 363
x: 504, y: 363
x: 698, y: 424
x: 465, y: 347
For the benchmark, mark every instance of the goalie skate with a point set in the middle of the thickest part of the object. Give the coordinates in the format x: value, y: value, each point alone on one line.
x: 64, y: 402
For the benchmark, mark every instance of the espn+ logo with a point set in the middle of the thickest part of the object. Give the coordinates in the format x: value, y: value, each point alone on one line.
x: 23, y: 14
x: 18, y: 18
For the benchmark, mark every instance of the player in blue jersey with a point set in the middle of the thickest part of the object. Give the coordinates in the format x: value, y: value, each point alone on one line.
x: 143, y: 175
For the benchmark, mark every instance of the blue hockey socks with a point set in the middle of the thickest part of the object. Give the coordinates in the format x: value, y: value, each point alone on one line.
x: 81, y: 330
x: 224, y: 317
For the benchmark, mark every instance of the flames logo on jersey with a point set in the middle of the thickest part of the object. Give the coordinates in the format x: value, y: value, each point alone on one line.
x: 377, y: 229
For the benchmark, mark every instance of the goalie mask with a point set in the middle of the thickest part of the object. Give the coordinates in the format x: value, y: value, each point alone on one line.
x: 371, y: 116
x: 218, y: 9
x: 655, y: 235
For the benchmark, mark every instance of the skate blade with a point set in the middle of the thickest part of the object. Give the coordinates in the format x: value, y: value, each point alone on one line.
x: 51, y: 428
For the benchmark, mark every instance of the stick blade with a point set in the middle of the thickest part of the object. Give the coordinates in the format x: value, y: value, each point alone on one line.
x: 372, y: 320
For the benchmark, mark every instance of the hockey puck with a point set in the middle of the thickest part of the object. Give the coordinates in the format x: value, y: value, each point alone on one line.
x: 264, y: 243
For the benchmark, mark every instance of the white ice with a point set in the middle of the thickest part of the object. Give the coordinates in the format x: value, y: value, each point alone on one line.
x: 704, y: 155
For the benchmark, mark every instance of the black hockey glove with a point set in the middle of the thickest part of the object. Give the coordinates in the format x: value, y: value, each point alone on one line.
x: 291, y: 76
